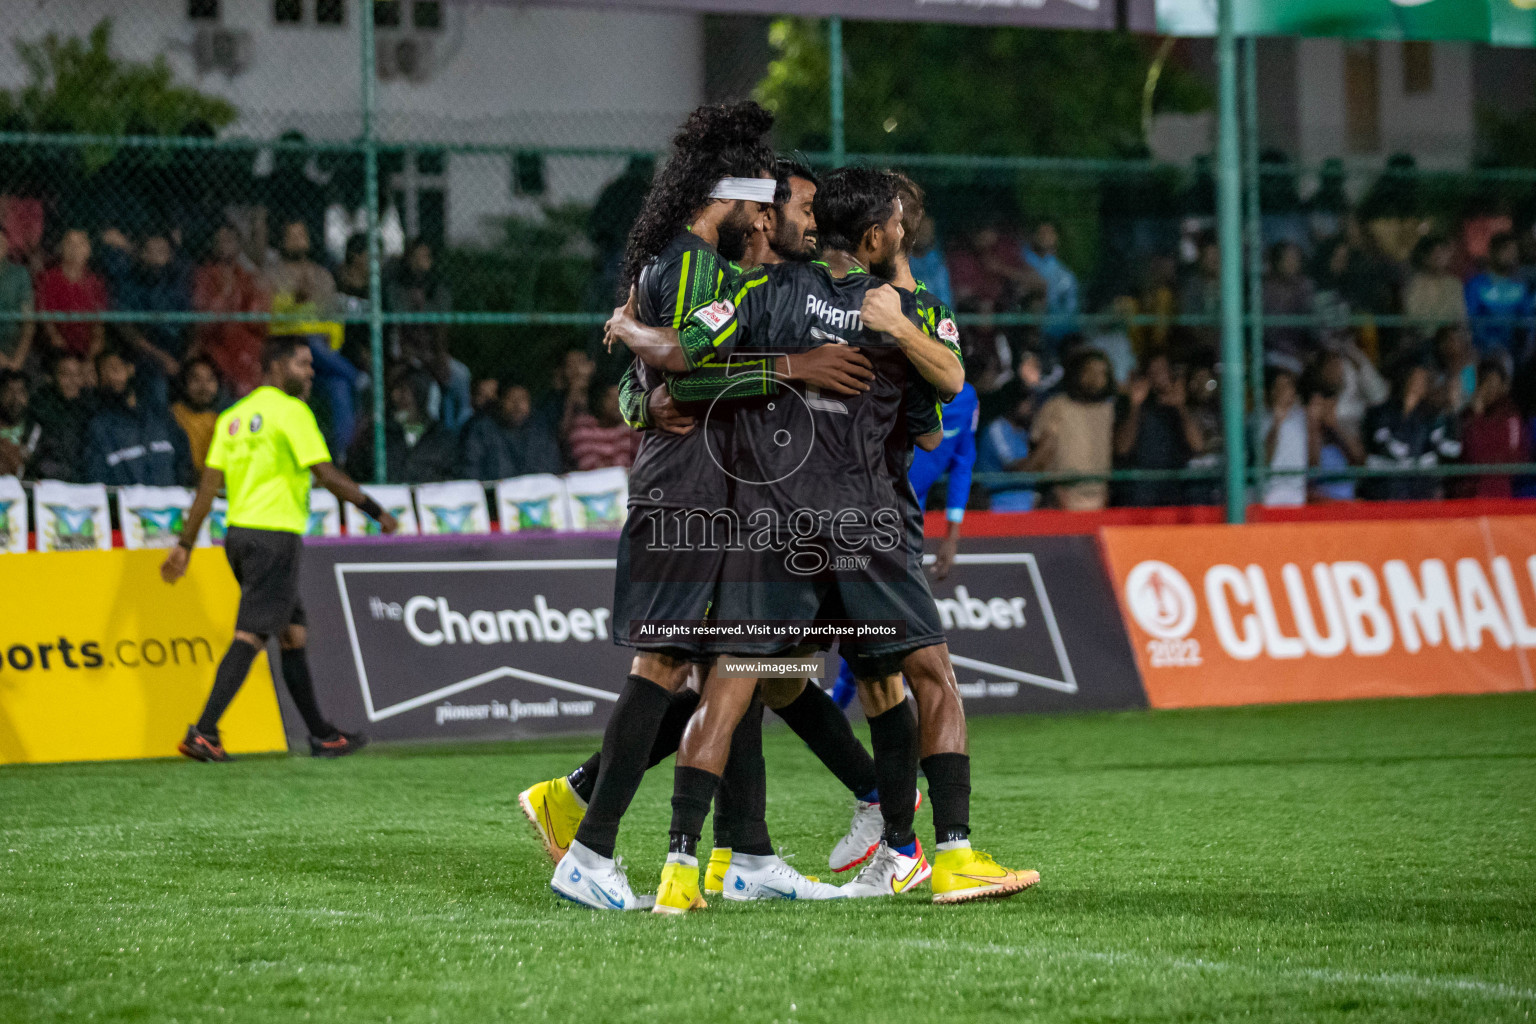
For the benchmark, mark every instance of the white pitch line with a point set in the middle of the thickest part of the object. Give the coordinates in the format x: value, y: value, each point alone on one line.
x: 1489, y: 989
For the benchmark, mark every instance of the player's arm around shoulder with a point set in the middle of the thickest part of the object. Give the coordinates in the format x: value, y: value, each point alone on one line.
x: 883, y: 310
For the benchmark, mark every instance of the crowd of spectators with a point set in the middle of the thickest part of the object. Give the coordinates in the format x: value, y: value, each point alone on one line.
x: 134, y: 402
x: 1392, y: 339
x: 1389, y: 342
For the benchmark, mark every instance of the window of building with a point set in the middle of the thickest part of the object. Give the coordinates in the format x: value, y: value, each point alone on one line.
x: 1362, y: 92
x: 1418, y: 67
x: 427, y: 15
x: 203, y: 10
x: 330, y: 12
x: 288, y: 12
x: 386, y: 13
x: 419, y: 186
x: 528, y: 174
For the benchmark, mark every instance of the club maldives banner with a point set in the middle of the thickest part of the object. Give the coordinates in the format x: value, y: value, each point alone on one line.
x: 1140, y: 15
x: 509, y: 637
x: 100, y: 659
x: 1328, y: 611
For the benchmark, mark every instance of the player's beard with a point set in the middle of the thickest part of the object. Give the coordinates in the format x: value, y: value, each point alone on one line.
x: 792, y: 248
x: 735, y: 232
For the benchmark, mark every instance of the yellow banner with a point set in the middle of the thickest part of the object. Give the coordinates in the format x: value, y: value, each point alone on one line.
x: 100, y: 659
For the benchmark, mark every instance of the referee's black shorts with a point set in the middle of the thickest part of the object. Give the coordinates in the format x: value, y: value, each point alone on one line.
x: 266, y: 565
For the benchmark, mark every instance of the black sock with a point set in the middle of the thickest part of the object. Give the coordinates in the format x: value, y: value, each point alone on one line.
x: 693, y: 789
x: 670, y: 735
x: 627, y: 740
x: 949, y: 793
x: 816, y: 719
x: 584, y: 778
x: 302, y: 689
x: 226, y: 683
x: 894, y: 737
x: 741, y: 805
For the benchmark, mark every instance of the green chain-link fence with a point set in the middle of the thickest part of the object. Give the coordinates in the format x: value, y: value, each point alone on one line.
x: 525, y: 212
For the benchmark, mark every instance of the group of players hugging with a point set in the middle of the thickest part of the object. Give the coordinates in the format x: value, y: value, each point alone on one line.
x: 786, y: 364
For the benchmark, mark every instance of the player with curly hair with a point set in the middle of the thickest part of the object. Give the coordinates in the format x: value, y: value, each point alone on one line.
x: 706, y: 203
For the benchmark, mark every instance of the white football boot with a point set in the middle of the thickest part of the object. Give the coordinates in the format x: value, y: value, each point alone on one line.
x: 595, y: 881
x: 863, y: 836
x: 890, y: 873
x: 770, y: 878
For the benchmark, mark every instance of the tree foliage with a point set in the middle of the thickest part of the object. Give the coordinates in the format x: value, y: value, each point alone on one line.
x: 80, y: 86
x: 923, y: 88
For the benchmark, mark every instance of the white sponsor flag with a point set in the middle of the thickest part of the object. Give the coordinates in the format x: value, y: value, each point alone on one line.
x: 532, y: 503
x: 72, y: 517
x: 396, y: 499
x: 324, y: 514
x: 13, y: 515
x: 152, y: 517
x: 599, y: 498
x: 457, y: 506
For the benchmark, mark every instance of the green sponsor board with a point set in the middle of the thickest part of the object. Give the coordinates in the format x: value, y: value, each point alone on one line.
x: 1503, y: 22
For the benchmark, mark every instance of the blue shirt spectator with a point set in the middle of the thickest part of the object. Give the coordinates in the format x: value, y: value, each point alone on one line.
x: 1004, y: 448
x: 927, y: 263
x: 1496, y: 295
x: 1061, y: 291
x: 955, y: 455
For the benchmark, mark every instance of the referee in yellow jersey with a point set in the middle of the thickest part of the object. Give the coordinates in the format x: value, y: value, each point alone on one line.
x: 264, y: 449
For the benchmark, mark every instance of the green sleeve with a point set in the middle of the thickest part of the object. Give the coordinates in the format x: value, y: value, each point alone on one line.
x: 633, y: 400
x: 713, y: 331
x: 731, y: 377
x: 695, y: 281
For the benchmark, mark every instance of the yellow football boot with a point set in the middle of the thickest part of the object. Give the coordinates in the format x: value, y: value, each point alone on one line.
x: 679, y: 890
x: 714, y: 873
x: 555, y: 811
x: 964, y: 874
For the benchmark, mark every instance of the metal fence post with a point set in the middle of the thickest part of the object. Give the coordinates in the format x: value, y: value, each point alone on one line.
x: 375, y: 277
x: 835, y: 87
x: 1230, y: 234
x: 1255, y: 236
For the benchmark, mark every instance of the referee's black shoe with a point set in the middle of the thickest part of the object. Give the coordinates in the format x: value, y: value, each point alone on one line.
x: 202, y: 747
x: 339, y: 745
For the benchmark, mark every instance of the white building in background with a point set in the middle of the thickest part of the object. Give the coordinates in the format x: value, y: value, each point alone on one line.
x: 449, y: 71
x: 1357, y: 100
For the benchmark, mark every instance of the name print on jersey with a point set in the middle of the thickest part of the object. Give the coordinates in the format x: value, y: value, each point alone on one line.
x: 832, y: 316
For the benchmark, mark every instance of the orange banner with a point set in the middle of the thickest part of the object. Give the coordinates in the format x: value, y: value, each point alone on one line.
x: 1222, y: 615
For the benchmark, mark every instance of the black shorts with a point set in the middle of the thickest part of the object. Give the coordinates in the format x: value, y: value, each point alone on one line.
x: 266, y: 565
x: 656, y: 581
x: 891, y: 587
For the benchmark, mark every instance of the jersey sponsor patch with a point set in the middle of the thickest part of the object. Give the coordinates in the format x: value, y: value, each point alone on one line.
x: 948, y: 331
x: 715, y: 315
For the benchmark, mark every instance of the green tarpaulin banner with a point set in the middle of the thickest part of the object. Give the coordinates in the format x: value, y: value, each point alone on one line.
x: 1502, y: 22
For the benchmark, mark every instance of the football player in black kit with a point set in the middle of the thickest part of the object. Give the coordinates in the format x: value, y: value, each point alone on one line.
x: 699, y: 215
x: 828, y: 478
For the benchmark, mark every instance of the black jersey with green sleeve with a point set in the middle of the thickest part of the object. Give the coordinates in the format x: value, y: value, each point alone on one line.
x: 938, y: 323
x: 671, y: 470
x: 799, y: 449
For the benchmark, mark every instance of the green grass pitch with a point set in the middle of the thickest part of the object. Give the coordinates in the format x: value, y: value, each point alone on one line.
x: 1349, y: 862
